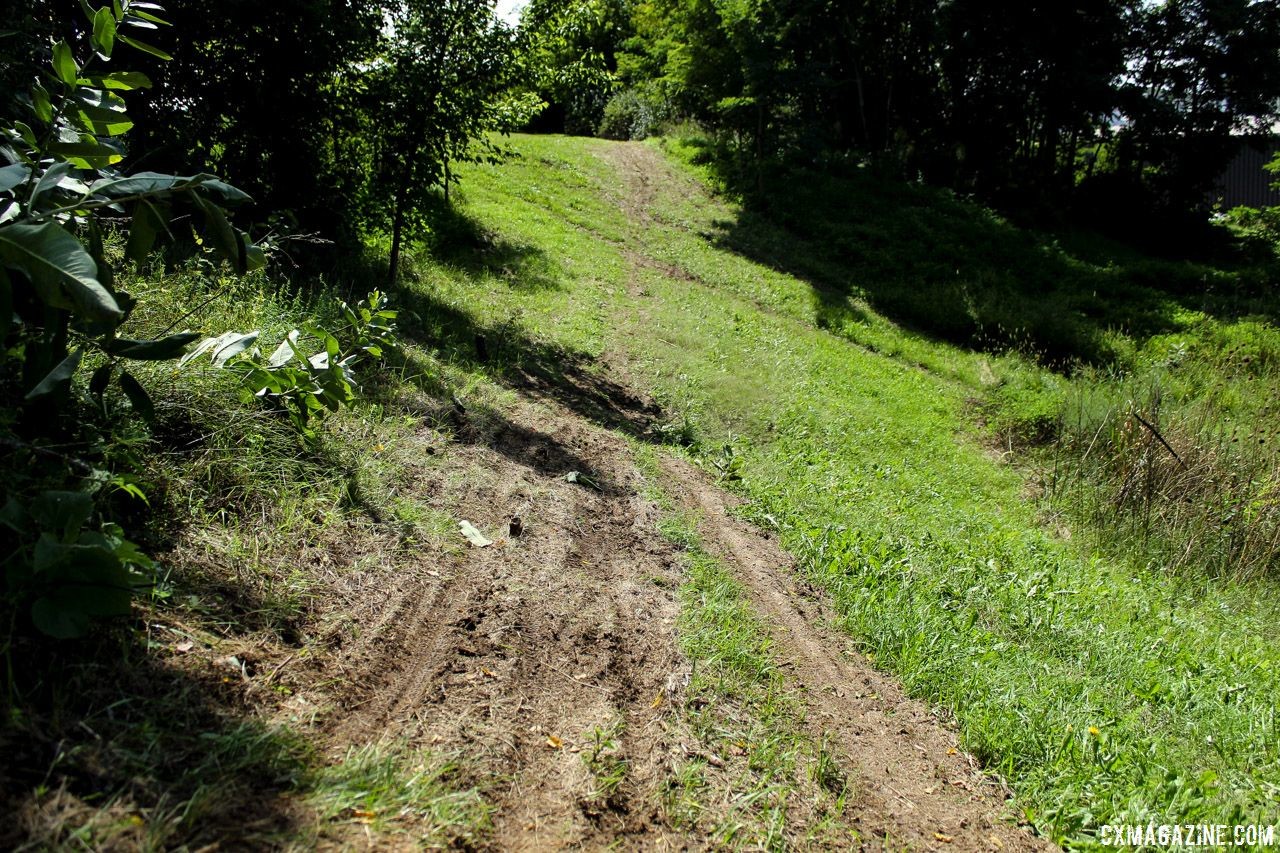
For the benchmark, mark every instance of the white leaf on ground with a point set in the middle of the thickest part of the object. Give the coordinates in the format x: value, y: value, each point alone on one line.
x: 474, y: 536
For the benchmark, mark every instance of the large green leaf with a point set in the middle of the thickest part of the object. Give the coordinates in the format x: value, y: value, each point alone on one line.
x: 226, y: 240
x: 50, y: 179
x: 222, y: 191
x: 120, y: 81
x: 161, y: 349
x: 41, y: 103
x: 104, y: 32
x: 86, y: 153
x: 144, y: 47
x: 13, y: 176
x: 61, y: 513
x: 64, y: 64
x: 138, y: 396
x: 59, y: 377
x: 143, y: 183
x: 63, y: 273
x: 149, y: 220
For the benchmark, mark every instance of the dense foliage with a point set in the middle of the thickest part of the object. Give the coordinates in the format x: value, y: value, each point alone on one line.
x: 1019, y: 101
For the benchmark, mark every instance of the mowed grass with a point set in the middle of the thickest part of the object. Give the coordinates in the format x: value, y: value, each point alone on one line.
x: 1104, y: 691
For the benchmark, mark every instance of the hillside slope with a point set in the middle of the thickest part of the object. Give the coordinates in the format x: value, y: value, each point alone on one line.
x: 755, y: 578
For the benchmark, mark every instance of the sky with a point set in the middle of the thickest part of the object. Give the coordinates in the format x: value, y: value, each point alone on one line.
x: 509, y: 10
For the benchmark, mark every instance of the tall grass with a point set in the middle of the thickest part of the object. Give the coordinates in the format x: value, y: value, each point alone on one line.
x: 1176, y: 464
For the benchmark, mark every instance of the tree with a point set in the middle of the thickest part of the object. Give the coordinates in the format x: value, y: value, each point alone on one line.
x: 569, y: 50
x: 258, y: 95
x: 1200, y: 71
x: 440, y: 86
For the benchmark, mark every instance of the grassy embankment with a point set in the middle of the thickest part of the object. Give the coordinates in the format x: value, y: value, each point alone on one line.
x: 1104, y: 685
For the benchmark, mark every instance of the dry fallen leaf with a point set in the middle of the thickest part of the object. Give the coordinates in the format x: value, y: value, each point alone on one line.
x: 554, y: 742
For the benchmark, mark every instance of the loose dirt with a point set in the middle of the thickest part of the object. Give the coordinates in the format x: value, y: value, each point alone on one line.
x: 532, y: 654
x: 521, y: 656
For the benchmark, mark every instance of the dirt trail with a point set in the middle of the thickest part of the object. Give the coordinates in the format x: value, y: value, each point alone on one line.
x: 915, y: 787
x: 553, y: 654
x: 536, y: 653
x: 518, y: 653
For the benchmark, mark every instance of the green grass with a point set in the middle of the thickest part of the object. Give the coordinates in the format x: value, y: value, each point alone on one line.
x: 392, y: 789
x: 846, y: 374
x: 783, y: 789
x: 857, y: 440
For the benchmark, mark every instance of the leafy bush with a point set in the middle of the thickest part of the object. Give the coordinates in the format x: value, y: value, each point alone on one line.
x: 301, y: 385
x: 1257, y: 225
x: 59, y: 304
x: 629, y: 115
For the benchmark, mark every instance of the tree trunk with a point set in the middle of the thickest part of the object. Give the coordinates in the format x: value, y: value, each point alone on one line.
x: 397, y: 237
x: 759, y: 145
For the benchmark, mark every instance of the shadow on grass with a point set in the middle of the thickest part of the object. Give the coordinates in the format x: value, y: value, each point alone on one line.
x: 114, y: 745
x: 575, y: 380
x: 461, y: 241
x: 950, y: 269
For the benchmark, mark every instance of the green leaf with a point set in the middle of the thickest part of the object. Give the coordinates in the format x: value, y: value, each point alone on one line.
x: 24, y: 130
x: 64, y: 64
x: 61, y: 513
x: 144, y: 47
x: 101, y: 122
x: 222, y: 191
x: 14, y: 176
x: 285, y: 351
x: 255, y: 258
x: 104, y: 32
x: 59, y: 377
x: 49, y: 180
x: 222, y: 348
x: 161, y: 349
x: 119, y: 81
x: 148, y: 221
x: 100, y: 379
x: 147, y: 16
x: 138, y: 396
x: 90, y: 583
x: 142, y: 183
x: 41, y: 103
x: 63, y: 273
x: 86, y: 154
x: 225, y: 239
